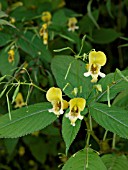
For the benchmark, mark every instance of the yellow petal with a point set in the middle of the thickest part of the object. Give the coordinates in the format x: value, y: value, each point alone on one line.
x: 97, y: 58
x: 54, y: 94
x: 65, y: 104
x: 19, y: 97
x: 79, y: 102
x: 46, y: 16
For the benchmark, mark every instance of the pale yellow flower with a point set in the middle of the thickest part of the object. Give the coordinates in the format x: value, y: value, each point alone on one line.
x: 96, y: 60
x: 54, y: 95
x: 21, y: 151
x: 19, y: 101
x: 76, y: 106
x: 44, y: 33
x: 11, y: 54
x: 72, y: 24
x: 46, y: 17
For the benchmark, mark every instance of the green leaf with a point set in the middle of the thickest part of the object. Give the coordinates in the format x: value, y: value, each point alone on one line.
x: 69, y: 132
x: 26, y: 120
x: 89, y: 26
x: 116, y: 84
x: 115, y: 162
x: 59, y: 18
x: 113, y: 118
x: 68, y: 73
x: 3, y: 14
x: 104, y: 35
x: 4, y: 39
x: 7, y: 68
x: 85, y: 159
x: 4, y: 22
x: 37, y: 147
x: 121, y: 100
x: 10, y: 144
x: 33, y: 46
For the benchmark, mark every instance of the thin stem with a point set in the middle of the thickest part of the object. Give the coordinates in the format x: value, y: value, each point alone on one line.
x: 105, y: 135
x: 114, y: 141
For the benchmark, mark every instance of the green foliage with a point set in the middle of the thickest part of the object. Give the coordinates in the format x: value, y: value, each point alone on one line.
x: 111, y: 118
x: 115, y: 161
x: 84, y: 159
x: 37, y: 55
x: 69, y: 132
x: 26, y: 120
x: 69, y: 75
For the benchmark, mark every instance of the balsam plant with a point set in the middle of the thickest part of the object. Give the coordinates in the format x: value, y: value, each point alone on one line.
x: 52, y: 83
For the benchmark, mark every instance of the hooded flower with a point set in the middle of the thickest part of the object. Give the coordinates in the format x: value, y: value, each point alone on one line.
x: 54, y: 95
x: 72, y: 24
x: 96, y: 60
x: 19, y: 100
x: 44, y: 33
x: 46, y: 17
x: 76, y: 106
x: 11, y: 55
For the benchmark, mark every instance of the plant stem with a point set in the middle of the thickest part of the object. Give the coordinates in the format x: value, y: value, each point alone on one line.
x: 114, y: 141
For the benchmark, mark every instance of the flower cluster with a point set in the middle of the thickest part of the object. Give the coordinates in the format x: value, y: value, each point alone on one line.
x: 54, y: 95
x: 46, y: 18
x: 76, y: 105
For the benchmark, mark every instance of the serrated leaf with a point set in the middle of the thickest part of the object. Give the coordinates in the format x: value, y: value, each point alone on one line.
x: 69, y: 74
x: 114, y: 119
x: 26, y: 120
x: 116, y: 84
x: 85, y: 159
x: 33, y: 46
x: 69, y: 132
x: 115, y: 162
x: 121, y: 100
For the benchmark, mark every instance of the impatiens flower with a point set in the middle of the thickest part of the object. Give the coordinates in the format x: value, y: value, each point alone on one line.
x: 19, y: 100
x: 44, y: 33
x: 11, y: 55
x: 72, y: 24
x: 76, y: 106
x: 54, y: 95
x: 96, y: 60
x: 46, y: 17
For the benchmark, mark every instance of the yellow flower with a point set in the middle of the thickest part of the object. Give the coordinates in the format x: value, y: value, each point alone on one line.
x: 11, y: 55
x: 72, y: 24
x: 54, y: 95
x: 76, y: 106
x: 19, y: 100
x: 44, y: 33
x: 46, y: 16
x: 12, y: 20
x: 96, y: 60
x: 21, y: 151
